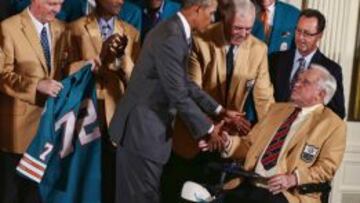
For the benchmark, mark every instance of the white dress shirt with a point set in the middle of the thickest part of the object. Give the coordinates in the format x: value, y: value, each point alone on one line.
x: 39, y: 26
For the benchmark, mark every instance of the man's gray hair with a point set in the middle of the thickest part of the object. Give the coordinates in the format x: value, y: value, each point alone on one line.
x: 327, y: 82
x: 243, y: 8
x: 189, y: 3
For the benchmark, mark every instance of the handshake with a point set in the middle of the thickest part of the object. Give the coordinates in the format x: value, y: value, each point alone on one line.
x: 229, y: 122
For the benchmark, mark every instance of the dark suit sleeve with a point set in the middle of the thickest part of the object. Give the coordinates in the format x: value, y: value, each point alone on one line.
x: 337, y: 103
x: 169, y: 55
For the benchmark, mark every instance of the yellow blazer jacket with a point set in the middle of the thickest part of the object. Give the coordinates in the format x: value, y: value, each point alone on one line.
x: 86, y: 42
x: 24, y: 65
x: 324, y: 132
x: 207, y: 68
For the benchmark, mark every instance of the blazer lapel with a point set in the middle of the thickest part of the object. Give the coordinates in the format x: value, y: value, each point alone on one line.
x: 93, y: 30
x: 31, y: 35
x: 317, y: 57
x: 55, y: 35
x: 240, y: 69
x: 119, y: 27
x: 220, y: 54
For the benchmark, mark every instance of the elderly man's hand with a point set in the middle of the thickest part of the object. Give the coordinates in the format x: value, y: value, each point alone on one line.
x: 281, y: 182
x: 236, y: 122
x: 49, y: 87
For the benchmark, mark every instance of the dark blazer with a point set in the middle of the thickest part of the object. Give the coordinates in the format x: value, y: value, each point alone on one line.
x: 158, y: 90
x: 280, y: 64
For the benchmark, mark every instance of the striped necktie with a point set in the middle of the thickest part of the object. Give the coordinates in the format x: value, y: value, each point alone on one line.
x: 301, y: 61
x: 272, y: 152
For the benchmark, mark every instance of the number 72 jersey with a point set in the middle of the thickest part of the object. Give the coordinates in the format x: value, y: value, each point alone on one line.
x: 64, y: 156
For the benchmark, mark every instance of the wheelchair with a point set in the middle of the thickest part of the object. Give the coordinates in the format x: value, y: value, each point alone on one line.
x: 195, y: 192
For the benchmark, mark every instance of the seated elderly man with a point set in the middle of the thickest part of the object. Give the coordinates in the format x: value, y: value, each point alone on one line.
x: 296, y: 143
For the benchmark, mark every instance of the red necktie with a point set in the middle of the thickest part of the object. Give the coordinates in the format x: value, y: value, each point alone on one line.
x: 272, y: 152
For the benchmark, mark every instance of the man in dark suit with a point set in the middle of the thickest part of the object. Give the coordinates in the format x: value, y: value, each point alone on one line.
x: 157, y: 91
x: 286, y: 66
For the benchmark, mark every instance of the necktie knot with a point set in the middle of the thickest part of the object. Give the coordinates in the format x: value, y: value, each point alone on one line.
x: 105, y: 31
x: 301, y: 67
x: 302, y: 62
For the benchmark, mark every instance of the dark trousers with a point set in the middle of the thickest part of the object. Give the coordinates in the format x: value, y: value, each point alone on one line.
x: 107, y: 159
x: 179, y: 170
x: 14, y: 188
x: 137, y: 178
x: 247, y: 193
x: 107, y: 171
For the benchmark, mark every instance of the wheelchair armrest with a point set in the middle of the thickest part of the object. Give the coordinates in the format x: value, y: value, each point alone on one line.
x: 324, y: 187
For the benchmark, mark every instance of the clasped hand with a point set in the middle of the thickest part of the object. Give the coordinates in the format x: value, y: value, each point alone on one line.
x: 113, y: 47
x: 231, y: 122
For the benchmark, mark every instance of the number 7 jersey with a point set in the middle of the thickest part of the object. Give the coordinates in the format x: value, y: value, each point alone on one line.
x: 64, y: 156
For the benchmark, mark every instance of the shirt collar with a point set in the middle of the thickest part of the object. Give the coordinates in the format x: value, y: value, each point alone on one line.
x: 307, y: 58
x: 271, y: 8
x: 109, y: 22
x: 38, y: 25
x: 186, y: 25
x: 309, y: 109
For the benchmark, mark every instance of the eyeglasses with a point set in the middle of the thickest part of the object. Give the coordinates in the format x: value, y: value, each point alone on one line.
x: 306, y: 33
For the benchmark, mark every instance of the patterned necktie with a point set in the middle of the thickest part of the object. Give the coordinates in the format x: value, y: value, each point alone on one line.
x: 46, y: 48
x: 265, y: 21
x: 154, y: 17
x: 301, y: 61
x: 271, y: 155
x: 229, y: 67
x: 105, y: 31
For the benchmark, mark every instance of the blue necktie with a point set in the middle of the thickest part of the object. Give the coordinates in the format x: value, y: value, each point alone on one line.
x: 105, y: 31
x: 46, y: 48
x: 229, y: 67
x: 300, y: 69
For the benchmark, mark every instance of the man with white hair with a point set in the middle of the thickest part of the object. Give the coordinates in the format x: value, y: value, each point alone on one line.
x: 32, y: 43
x: 296, y: 143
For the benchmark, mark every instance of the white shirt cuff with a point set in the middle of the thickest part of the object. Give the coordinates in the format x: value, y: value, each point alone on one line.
x: 218, y: 110
x: 211, y: 129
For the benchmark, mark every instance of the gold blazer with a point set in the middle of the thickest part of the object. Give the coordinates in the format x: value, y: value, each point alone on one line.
x: 24, y: 66
x: 85, y: 43
x: 207, y: 68
x: 324, y: 132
